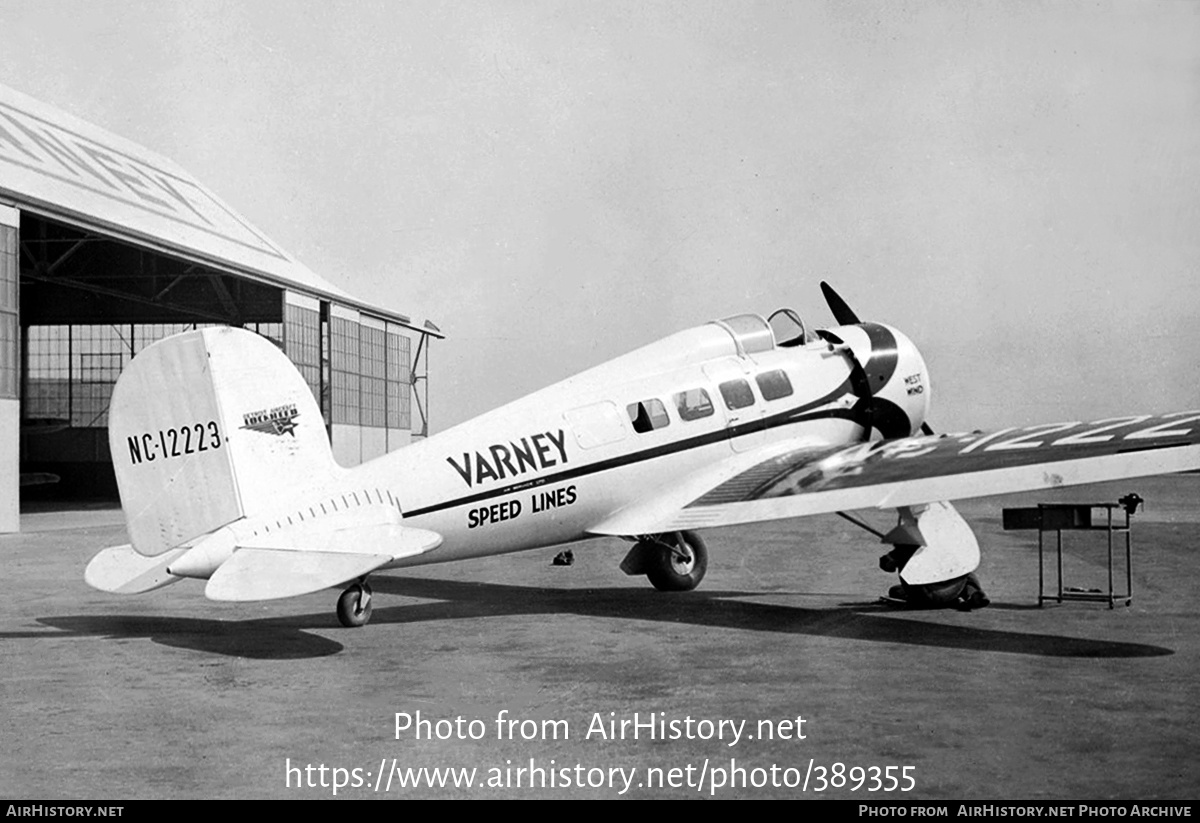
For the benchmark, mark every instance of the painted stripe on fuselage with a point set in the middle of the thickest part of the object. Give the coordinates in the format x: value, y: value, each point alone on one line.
x: 796, y: 415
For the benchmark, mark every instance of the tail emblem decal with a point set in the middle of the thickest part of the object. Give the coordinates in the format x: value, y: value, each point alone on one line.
x: 277, y: 421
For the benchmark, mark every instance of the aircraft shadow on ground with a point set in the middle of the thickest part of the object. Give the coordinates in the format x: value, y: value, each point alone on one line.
x: 281, y: 638
x: 291, y: 638
x: 725, y: 609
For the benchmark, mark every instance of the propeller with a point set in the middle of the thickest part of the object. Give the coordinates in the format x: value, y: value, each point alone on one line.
x: 845, y: 316
x: 842, y: 313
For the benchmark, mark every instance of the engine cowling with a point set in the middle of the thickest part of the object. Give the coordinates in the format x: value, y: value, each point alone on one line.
x: 888, y: 375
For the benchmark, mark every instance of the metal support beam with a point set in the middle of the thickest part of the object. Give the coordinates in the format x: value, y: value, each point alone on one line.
x: 62, y: 258
x: 42, y: 263
x: 121, y: 295
x: 158, y: 297
x: 414, y: 379
x: 28, y: 252
x: 227, y: 301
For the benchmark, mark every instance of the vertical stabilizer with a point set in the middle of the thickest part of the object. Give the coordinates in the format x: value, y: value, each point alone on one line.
x: 207, y: 427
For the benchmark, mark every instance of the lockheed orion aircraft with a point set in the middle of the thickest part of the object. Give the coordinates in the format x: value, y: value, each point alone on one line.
x: 226, y: 473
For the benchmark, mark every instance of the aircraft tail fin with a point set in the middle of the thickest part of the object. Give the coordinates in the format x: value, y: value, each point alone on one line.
x: 209, y: 426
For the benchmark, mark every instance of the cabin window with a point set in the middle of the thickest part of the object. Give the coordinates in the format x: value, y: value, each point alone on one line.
x: 737, y: 394
x: 774, y: 384
x: 693, y: 404
x: 648, y: 415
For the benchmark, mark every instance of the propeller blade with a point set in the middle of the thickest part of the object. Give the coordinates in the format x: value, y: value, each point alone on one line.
x: 842, y: 313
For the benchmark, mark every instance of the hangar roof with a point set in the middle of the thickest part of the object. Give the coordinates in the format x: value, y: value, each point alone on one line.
x: 58, y: 165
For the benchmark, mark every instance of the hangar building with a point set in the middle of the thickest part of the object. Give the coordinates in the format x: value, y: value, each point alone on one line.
x: 106, y: 247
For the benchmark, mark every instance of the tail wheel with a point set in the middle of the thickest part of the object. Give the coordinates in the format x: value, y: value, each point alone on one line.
x: 677, y: 562
x: 354, y: 606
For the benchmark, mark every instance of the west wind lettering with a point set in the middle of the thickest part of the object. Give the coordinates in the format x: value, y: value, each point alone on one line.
x: 500, y: 461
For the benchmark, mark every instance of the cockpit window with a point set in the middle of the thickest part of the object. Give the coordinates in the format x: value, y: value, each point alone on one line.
x: 693, y: 404
x: 774, y: 384
x: 737, y: 394
x: 648, y: 415
x: 788, y: 328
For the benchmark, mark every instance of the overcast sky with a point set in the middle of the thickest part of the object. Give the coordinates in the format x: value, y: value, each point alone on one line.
x: 1016, y: 185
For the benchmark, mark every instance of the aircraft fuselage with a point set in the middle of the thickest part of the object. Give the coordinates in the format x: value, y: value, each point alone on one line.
x: 543, y: 469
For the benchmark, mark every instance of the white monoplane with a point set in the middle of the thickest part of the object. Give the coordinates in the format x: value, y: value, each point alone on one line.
x: 226, y: 474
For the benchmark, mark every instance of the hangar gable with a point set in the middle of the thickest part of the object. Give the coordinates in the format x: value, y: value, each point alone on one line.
x: 69, y: 169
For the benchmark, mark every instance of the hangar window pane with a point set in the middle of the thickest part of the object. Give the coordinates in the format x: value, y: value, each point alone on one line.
x: 48, y: 375
x: 345, y: 370
x: 9, y: 337
x: 8, y: 269
x: 148, y: 334
x: 98, y: 353
x: 71, y: 370
x: 303, y: 344
x: 10, y: 331
x: 373, y: 377
x: 271, y: 331
x: 648, y: 415
x: 399, y: 382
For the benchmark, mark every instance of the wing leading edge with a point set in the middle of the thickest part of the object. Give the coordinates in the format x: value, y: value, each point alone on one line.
x: 799, y: 478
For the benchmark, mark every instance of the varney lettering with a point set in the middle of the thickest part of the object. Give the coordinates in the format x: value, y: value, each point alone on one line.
x: 513, y: 459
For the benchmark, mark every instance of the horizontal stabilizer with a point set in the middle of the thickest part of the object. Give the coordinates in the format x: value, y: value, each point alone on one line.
x: 340, y: 534
x: 121, y: 570
x: 391, y: 539
x: 269, y: 574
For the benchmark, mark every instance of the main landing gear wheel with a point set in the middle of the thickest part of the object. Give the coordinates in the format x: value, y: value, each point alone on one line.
x: 677, y: 561
x: 354, y: 606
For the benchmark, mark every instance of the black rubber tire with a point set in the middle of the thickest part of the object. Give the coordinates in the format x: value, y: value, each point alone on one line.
x: 667, y: 571
x: 935, y: 595
x: 350, y: 613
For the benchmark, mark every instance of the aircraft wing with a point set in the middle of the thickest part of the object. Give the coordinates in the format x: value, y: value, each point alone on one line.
x: 797, y: 478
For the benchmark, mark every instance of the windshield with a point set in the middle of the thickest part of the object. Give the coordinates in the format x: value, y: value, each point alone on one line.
x: 788, y: 328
